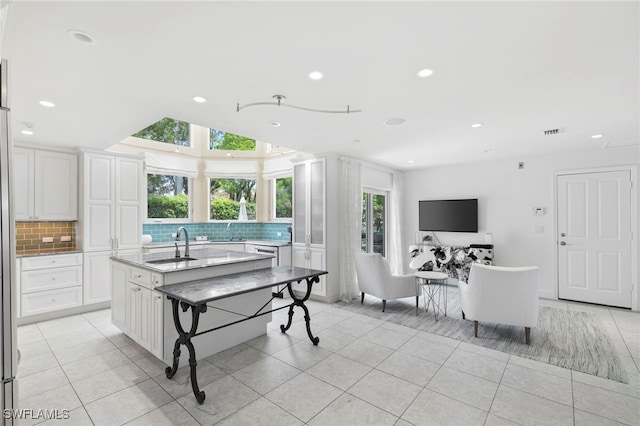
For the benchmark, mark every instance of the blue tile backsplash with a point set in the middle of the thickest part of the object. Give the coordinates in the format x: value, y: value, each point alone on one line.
x: 161, y: 232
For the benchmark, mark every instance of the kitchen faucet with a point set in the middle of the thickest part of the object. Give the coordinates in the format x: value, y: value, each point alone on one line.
x: 186, y: 241
x: 229, y: 231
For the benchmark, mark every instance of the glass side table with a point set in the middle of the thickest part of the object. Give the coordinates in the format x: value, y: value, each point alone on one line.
x: 433, y: 287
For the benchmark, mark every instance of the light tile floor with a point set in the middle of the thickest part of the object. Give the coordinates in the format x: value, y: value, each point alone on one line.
x: 364, y: 372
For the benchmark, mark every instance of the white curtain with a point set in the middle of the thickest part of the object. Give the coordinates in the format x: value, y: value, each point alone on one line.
x: 159, y: 164
x: 350, y: 212
x: 396, y: 241
x: 222, y: 169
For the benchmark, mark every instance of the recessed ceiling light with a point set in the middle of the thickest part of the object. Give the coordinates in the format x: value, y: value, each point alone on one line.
x: 199, y: 99
x: 81, y: 36
x: 476, y: 125
x: 411, y: 161
x: 228, y: 154
x: 356, y: 140
x: 598, y: 136
x: 486, y: 150
x: 176, y: 150
x: 47, y: 104
x: 27, y: 132
x: 425, y: 73
x: 315, y: 75
x: 393, y: 121
x: 275, y: 124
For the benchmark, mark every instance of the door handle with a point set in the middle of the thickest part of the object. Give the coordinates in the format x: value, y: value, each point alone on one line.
x: 562, y: 243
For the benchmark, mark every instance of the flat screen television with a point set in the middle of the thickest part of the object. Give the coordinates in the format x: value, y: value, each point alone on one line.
x: 448, y: 215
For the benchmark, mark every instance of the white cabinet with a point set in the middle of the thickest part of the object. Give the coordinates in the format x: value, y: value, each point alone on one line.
x: 313, y: 258
x: 157, y: 324
x: 111, y: 218
x: 50, y: 283
x: 119, y: 281
x: 309, y: 222
x: 136, y: 308
x: 45, y: 185
x: 309, y: 203
x: 112, y: 194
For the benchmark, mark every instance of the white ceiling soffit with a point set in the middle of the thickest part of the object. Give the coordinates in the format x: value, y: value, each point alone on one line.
x: 516, y: 67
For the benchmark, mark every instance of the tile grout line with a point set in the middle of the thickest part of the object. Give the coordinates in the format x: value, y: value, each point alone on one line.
x: 65, y: 375
x: 504, y: 370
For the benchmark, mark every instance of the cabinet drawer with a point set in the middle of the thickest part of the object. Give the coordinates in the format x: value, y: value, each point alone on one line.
x: 43, y: 262
x: 49, y: 279
x: 51, y: 300
x: 140, y: 276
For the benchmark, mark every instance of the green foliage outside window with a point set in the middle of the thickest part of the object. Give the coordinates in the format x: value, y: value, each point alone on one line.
x: 225, y: 198
x: 226, y: 209
x: 167, y: 197
x: 167, y: 130
x: 284, y: 197
x: 219, y: 140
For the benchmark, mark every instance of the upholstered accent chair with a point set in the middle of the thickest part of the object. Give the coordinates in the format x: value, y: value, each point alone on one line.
x: 501, y: 295
x: 375, y: 279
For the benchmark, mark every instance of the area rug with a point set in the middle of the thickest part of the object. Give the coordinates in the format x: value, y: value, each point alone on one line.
x: 565, y: 338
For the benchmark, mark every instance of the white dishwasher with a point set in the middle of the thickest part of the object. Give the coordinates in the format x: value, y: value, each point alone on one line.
x: 260, y: 249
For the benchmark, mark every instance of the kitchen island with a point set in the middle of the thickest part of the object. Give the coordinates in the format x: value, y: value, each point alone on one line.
x: 144, y: 315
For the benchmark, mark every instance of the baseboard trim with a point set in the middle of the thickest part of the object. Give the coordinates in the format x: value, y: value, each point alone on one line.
x: 62, y: 313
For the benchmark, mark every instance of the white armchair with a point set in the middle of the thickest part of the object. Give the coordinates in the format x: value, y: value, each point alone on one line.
x: 374, y: 278
x: 501, y: 295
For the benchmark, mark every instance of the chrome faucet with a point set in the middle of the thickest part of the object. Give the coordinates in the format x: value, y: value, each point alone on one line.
x: 229, y: 231
x: 186, y: 241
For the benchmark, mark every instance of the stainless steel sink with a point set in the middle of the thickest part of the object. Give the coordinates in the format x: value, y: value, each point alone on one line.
x: 171, y: 260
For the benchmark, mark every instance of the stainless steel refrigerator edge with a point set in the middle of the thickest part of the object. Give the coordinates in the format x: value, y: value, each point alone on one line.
x: 8, y: 349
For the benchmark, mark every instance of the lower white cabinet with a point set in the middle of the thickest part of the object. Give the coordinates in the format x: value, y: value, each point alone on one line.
x: 50, y: 283
x: 136, y: 308
x: 313, y: 258
x: 97, y: 275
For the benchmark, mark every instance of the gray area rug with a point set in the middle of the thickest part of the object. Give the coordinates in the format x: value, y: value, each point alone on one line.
x: 565, y: 338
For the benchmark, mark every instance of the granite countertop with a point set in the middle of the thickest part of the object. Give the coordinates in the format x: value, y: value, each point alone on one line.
x: 205, y: 256
x: 49, y: 253
x: 207, y: 290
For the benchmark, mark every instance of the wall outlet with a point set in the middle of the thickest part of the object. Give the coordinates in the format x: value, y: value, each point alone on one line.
x: 279, y: 234
x: 539, y: 229
x: 47, y: 239
x: 173, y: 235
x: 65, y: 238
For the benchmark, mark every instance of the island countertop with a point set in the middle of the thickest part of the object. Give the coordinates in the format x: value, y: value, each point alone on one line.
x: 210, y: 289
x: 205, y: 256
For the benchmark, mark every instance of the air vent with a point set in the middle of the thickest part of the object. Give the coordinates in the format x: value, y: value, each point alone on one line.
x: 553, y: 131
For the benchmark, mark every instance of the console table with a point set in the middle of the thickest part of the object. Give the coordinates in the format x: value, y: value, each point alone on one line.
x: 455, y: 261
x: 195, y: 295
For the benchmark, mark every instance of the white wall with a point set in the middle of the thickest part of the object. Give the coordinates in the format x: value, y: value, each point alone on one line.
x: 506, y: 198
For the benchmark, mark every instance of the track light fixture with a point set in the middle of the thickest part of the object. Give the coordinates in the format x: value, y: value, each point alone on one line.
x: 279, y: 101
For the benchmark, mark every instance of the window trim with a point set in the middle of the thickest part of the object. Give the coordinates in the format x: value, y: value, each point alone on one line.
x: 152, y: 220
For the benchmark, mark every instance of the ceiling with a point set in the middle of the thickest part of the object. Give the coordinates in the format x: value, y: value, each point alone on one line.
x: 517, y: 67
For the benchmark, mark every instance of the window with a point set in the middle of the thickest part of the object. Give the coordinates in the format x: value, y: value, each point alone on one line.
x: 167, y: 197
x: 282, y: 198
x: 167, y: 130
x: 225, y: 196
x: 219, y: 140
x: 374, y: 222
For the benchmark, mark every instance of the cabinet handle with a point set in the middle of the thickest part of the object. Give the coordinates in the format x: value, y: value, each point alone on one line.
x: 158, y: 297
x: 136, y: 290
x: 53, y: 261
x: 53, y: 278
x: 111, y: 242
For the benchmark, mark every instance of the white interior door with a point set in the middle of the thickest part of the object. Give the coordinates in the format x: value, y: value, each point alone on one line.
x: 594, y: 237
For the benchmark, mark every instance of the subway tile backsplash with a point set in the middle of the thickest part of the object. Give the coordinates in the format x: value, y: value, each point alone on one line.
x: 29, y: 237
x: 161, y: 232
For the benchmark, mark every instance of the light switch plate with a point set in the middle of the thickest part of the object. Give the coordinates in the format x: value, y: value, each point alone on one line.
x: 65, y: 238
x: 47, y: 239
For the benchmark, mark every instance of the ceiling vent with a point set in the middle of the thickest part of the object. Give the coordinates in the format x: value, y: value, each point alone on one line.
x: 553, y: 131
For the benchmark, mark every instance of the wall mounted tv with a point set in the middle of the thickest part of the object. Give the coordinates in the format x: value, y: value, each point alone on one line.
x: 448, y: 215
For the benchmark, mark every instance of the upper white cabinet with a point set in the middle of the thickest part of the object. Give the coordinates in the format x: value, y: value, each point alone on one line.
x: 112, y: 202
x: 309, y: 204
x: 45, y: 185
x: 309, y: 223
